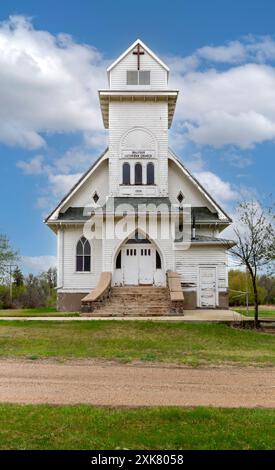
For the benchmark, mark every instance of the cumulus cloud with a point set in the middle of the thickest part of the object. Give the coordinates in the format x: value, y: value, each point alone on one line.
x: 219, y: 189
x: 33, y: 166
x: 48, y: 84
x: 61, y: 184
x: 233, y: 52
x: 251, y: 48
x: 61, y: 172
x: 228, y: 107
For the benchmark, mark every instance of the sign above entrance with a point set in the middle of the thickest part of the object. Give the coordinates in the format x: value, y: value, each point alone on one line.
x: 138, y: 154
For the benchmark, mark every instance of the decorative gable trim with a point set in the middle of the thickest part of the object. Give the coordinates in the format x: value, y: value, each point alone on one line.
x: 53, y: 215
x: 222, y: 214
x: 151, y: 53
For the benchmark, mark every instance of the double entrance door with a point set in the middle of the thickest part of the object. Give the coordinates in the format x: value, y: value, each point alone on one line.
x: 138, y: 262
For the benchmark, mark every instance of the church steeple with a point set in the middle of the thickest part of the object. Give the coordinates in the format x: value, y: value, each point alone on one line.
x: 138, y: 109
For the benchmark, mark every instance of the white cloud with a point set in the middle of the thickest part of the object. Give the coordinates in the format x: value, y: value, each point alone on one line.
x: 250, y: 49
x: 36, y: 264
x: 237, y: 160
x: 48, y: 84
x: 61, y: 184
x: 32, y: 167
x: 230, y: 107
x: 61, y: 173
x: 219, y: 189
x: 233, y: 52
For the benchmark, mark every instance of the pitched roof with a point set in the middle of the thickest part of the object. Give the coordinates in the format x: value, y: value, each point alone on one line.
x: 151, y: 53
x: 202, y: 214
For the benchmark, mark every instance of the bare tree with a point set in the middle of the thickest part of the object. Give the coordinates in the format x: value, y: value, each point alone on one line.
x: 255, y: 242
x: 7, y: 255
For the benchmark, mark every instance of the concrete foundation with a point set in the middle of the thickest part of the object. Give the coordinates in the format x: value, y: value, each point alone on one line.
x: 71, y: 302
x: 190, y: 300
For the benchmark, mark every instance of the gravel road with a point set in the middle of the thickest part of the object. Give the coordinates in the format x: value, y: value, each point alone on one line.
x: 112, y: 384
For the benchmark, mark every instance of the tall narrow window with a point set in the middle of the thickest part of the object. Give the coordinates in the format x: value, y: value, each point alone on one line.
x: 126, y: 174
x: 83, y: 255
x: 150, y: 173
x: 118, y: 261
x: 138, y: 173
x: 158, y: 260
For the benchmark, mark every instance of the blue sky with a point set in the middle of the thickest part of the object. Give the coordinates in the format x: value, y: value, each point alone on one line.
x: 53, y: 57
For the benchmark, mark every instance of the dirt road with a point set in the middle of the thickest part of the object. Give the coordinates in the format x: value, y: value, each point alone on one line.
x: 109, y: 384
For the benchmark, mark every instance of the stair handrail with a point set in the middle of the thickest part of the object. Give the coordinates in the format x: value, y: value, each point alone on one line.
x: 101, y: 290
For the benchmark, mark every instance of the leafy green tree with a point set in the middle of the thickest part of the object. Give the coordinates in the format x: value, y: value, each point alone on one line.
x: 267, y: 282
x: 239, y: 283
x: 18, y: 278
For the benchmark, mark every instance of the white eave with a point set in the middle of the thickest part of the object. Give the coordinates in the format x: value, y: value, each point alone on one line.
x: 105, y: 96
x: 151, y: 53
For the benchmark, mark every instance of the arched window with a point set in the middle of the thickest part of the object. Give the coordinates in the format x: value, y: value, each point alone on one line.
x: 83, y: 255
x: 138, y: 173
x: 150, y: 173
x: 126, y: 173
x: 118, y: 261
x: 158, y: 260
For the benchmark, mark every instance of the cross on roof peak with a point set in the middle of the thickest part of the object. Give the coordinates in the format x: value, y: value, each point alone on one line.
x: 138, y: 53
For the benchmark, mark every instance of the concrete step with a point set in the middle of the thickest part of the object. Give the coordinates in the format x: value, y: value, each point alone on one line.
x: 135, y: 301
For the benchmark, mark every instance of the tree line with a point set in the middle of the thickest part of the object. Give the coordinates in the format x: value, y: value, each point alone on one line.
x: 19, y: 291
x: 239, y: 282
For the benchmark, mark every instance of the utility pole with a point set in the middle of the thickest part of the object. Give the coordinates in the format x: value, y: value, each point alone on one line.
x: 10, y: 271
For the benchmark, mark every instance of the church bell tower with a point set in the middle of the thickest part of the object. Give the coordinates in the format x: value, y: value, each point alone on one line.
x: 138, y: 109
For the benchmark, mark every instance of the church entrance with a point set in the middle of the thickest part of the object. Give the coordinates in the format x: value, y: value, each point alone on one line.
x: 138, y: 263
x: 138, y: 266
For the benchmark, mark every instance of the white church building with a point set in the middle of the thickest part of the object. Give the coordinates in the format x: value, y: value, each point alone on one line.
x: 138, y: 234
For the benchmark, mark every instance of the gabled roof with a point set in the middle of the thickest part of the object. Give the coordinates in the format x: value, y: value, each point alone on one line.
x: 222, y: 214
x: 151, y: 53
x: 78, y: 184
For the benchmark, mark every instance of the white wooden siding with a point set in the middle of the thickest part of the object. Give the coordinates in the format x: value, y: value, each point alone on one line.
x: 98, y: 181
x: 125, y: 116
x: 74, y: 281
x: 187, y: 264
x: 178, y: 181
x: 129, y: 62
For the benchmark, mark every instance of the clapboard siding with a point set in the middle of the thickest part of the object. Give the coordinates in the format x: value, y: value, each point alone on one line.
x: 129, y: 62
x: 187, y: 264
x: 151, y: 116
x: 98, y: 181
x: 73, y: 281
x: 178, y: 181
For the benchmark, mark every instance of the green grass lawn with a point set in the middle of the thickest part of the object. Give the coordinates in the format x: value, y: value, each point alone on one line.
x: 87, y: 427
x: 36, y: 312
x: 127, y: 341
x: 263, y: 312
